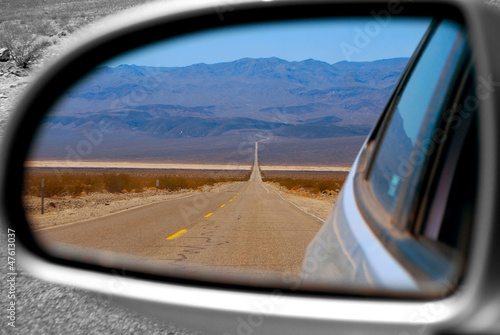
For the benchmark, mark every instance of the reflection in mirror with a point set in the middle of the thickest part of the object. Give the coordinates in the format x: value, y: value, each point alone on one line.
x: 217, y: 155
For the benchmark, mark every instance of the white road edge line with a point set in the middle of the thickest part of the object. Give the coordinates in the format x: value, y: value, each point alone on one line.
x: 303, y: 210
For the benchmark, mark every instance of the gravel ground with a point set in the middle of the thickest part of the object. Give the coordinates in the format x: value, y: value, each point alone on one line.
x: 13, y: 82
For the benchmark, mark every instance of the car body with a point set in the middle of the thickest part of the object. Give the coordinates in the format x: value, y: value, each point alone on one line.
x: 401, y: 186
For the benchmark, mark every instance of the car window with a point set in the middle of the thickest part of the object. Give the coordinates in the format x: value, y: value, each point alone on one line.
x: 449, y: 208
x: 410, y: 138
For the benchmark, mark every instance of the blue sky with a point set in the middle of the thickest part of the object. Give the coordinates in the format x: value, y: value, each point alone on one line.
x: 329, y: 40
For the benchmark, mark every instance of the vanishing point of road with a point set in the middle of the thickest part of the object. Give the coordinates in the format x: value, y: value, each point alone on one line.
x: 241, y: 227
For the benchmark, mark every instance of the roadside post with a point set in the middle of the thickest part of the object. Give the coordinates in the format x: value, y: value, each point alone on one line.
x: 157, y: 184
x: 43, y: 187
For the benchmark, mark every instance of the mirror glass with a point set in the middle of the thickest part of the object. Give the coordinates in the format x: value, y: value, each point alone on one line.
x: 219, y: 155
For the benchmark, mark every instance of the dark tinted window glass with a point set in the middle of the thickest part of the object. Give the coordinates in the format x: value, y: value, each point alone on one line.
x: 410, y: 135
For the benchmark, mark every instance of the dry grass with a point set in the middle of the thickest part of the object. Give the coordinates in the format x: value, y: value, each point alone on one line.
x: 312, y: 182
x: 74, y: 183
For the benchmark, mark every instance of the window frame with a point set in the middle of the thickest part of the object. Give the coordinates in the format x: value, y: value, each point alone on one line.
x: 428, y: 193
x: 424, y: 259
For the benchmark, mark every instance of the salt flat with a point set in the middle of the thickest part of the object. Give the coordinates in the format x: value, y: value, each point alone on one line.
x: 153, y: 165
x: 304, y: 168
x: 133, y: 165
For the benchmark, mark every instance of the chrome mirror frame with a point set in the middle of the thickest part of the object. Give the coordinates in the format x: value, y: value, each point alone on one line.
x: 233, y: 309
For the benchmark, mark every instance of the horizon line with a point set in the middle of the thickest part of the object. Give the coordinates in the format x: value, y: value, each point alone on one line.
x: 260, y: 58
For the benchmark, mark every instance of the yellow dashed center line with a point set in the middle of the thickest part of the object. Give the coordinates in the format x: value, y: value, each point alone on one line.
x: 208, y: 215
x: 234, y: 197
x: 222, y: 205
x: 231, y: 200
x: 179, y: 233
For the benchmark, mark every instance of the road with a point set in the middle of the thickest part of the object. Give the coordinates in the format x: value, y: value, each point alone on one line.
x: 242, y: 226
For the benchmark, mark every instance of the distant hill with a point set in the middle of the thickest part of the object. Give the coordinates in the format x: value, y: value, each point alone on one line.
x: 267, y: 97
x: 247, y: 85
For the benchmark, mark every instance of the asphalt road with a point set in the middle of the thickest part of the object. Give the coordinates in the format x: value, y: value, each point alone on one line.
x: 254, y: 230
x: 241, y: 228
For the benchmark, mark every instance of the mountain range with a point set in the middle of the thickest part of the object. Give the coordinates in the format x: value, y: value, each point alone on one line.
x: 267, y: 97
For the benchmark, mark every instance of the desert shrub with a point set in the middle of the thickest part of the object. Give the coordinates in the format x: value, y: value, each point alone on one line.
x: 311, y: 184
x: 53, y: 186
x: 330, y: 185
x: 289, y: 183
x: 174, y: 183
x: 69, y: 183
x: 24, y: 44
x: 120, y: 182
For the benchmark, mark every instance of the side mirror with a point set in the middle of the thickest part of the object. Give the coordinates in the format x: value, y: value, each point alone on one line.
x: 200, y: 155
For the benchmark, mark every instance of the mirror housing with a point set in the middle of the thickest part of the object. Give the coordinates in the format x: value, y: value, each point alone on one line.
x: 473, y: 307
